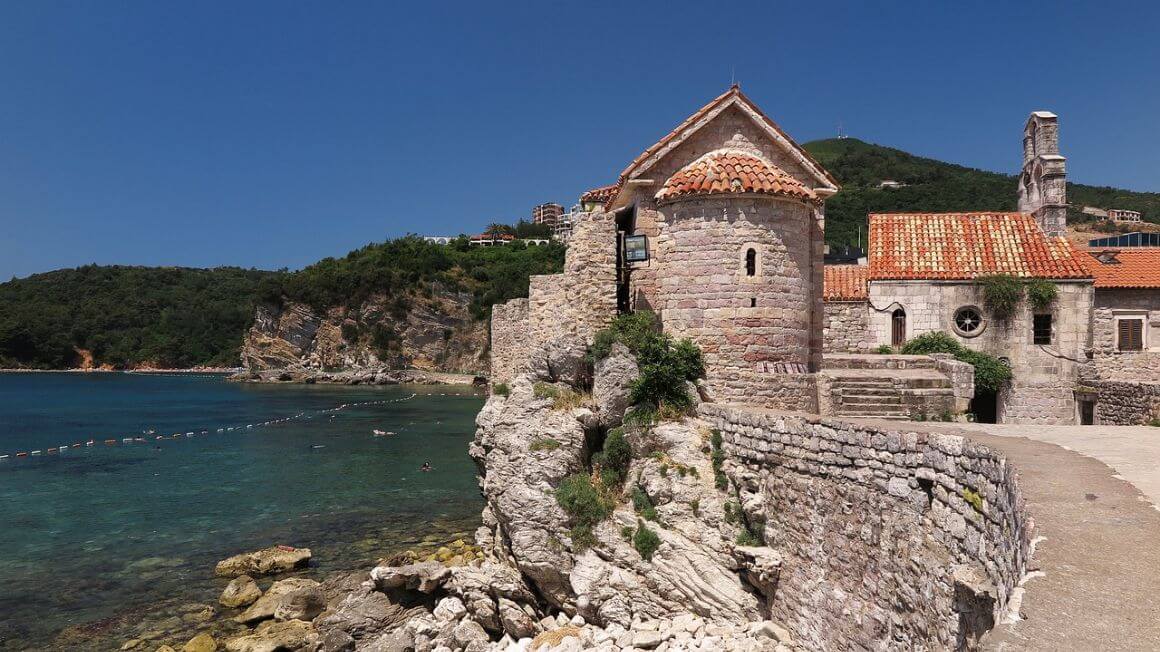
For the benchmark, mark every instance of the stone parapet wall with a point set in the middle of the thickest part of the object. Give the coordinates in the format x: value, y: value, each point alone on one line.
x: 887, y: 535
x: 775, y: 391
x: 569, y: 307
x: 1124, y: 403
x: 961, y: 374
x: 846, y: 328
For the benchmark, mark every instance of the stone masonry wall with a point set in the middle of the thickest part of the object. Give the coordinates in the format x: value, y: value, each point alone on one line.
x: 890, y: 538
x: 570, y: 306
x: 1125, y: 403
x: 1108, y: 363
x: 1045, y: 376
x: 509, y: 333
x: 753, y: 330
x: 846, y: 328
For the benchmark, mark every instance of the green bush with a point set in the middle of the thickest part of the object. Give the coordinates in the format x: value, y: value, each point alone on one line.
x: 617, y: 454
x: 664, y: 370
x: 932, y: 342
x: 544, y: 444
x: 991, y: 374
x: 645, y: 541
x: 350, y: 331
x: 1001, y: 294
x: 885, y: 349
x: 631, y: 330
x: 643, y: 505
x: 747, y: 538
x: 586, y: 505
x: 1041, y: 294
x: 717, y: 456
x: 501, y: 389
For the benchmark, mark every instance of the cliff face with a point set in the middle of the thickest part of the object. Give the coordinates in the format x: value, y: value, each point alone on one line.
x: 432, y: 333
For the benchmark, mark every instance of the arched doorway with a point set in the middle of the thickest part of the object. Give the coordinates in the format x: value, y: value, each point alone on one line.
x: 898, y: 328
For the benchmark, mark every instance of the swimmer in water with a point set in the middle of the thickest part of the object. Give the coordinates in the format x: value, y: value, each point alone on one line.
x: 426, y: 466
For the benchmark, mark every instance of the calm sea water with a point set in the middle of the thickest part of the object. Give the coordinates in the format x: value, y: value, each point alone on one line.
x: 104, y: 531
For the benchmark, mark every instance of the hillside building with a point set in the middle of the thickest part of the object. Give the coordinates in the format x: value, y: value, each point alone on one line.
x: 547, y: 214
x: 1123, y: 215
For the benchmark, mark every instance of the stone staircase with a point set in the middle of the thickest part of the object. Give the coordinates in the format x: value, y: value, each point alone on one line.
x: 888, y: 393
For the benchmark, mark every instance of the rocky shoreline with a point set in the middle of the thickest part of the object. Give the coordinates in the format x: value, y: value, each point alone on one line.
x: 671, y: 565
x: 357, y: 376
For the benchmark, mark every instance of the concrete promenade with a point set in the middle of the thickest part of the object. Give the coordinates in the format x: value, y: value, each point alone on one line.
x: 1100, y: 547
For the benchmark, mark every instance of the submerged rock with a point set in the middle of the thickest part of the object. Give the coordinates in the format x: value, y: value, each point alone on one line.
x: 269, y: 561
x: 294, y: 598
x: 242, y: 591
x: 201, y: 643
x: 274, y: 636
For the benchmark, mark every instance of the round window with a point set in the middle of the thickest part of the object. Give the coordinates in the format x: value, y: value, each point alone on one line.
x: 968, y: 321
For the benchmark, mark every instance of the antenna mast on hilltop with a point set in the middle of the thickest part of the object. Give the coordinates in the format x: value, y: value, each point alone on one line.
x: 841, y: 136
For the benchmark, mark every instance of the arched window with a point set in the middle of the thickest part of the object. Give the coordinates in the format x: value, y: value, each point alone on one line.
x: 898, y: 328
x: 751, y: 262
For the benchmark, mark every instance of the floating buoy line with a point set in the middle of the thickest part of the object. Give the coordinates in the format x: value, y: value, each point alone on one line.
x: 148, y: 436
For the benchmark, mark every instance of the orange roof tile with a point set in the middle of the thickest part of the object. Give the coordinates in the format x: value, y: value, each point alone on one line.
x: 953, y: 246
x: 601, y: 194
x: 733, y: 92
x: 846, y: 283
x: 1132, y: 268
x: 728, y: 171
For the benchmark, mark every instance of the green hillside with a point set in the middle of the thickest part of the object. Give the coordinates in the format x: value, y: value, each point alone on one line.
x: 178, y: 317
x: 934, y: 186
x: 127, y: 316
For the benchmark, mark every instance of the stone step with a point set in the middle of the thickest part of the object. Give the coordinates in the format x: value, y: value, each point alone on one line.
x: 900, y: 416
x: 841, y: 382
x: 863, y: 391
x: 884, y: 411
x: 857, y: 399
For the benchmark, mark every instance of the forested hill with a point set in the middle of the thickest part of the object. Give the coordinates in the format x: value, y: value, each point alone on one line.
x: 127, y: 316
x: 934, y: 186
x: 169, y: 317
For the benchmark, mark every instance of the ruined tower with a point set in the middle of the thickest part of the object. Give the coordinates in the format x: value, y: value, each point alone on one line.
x: 1043, y: 182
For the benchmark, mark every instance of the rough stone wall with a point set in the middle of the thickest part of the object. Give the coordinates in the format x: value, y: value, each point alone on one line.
x: 1044, y: 375
x: 1125, y: 403
x: 1107, y: 362
x: 751, y: 329
x: 509, y: 332
x: 846, y: 327
x: 884, y: 533
x: 570, y: 306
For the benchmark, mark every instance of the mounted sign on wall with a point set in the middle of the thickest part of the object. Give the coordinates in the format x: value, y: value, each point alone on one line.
x: 635, y: 248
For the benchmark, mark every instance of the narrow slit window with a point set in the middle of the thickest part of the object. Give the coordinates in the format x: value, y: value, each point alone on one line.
x: 751, y: 262
x: 1041, y: 329
x: 753, y: 302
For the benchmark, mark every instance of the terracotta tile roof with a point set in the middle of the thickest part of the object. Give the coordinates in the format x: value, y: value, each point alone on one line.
x: 734, y: 93
x: 727, y: 171
x: 601, y: 194
x: 1132, y: 268
x: 846, y: 283
x: 966, y: 245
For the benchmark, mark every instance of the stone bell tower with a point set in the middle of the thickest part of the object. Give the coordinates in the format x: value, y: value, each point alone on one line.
x: 1043, y: 183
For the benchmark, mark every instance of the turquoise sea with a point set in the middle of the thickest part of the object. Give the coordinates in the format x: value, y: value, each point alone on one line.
x: 94, y: 536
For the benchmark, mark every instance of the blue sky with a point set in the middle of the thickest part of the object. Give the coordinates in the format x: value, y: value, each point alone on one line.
x: 273, y: 134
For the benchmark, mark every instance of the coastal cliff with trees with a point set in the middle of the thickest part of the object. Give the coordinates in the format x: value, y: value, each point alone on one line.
x: 402, y: 304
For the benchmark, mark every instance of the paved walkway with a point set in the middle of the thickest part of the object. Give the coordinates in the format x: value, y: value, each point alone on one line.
x: 1101, y: 549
